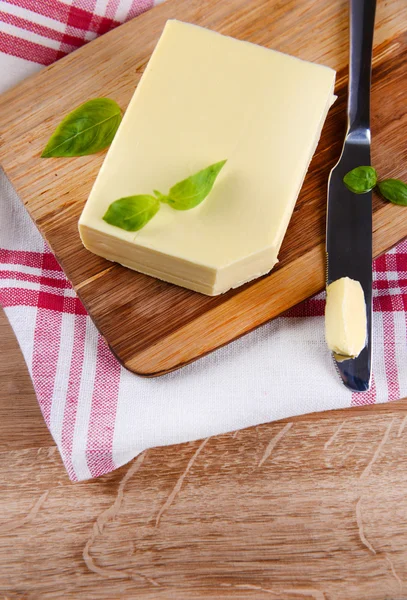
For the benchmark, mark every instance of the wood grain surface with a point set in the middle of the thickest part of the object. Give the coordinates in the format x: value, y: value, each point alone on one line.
x: 132, y: 310
x: 311, y: 508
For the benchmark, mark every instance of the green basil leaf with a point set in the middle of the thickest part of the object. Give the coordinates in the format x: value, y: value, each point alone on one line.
x: 361, y: 180
x: 394, y: 190
x: 132, y: 213
x: 88, y: 129
x: 191, y: 191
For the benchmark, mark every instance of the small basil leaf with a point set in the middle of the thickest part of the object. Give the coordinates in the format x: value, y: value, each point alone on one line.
x: 394, y: 190
x: 191, y: 191
x: 132, y: 213
x: 88, y: 129
x: 360, y: 180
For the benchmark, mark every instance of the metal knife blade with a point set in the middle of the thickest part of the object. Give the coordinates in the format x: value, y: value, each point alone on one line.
x: 349, y: 216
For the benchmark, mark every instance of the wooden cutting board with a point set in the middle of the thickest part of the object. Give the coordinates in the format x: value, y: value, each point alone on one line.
x: 151, y: 326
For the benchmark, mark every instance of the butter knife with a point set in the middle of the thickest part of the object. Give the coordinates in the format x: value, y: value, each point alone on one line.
x: 349, y: 216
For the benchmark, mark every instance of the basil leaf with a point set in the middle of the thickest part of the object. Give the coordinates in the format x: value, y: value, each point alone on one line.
x: 190, y: 192
x: 132, y: 213
x: 361, y: 180
x: 88, y: 129
x: 394, y: 190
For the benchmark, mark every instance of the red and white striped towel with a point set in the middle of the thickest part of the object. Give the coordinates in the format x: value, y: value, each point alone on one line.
x: 100, y: 415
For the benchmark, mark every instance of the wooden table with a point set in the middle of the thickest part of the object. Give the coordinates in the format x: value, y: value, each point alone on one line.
x: 310, y: 508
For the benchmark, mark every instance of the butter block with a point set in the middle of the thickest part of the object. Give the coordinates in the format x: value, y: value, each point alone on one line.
x: 203, y: 98
x: 345, y: 317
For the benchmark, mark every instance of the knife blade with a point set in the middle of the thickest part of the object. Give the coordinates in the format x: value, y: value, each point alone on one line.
x: 349, y: 216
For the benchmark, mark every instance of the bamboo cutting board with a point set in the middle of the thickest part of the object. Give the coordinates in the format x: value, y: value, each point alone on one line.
x: 151, y: 326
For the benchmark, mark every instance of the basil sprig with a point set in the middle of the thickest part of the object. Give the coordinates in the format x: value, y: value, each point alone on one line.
x: 363, y: 179
x: 89, y: 128
x: 134, y: 212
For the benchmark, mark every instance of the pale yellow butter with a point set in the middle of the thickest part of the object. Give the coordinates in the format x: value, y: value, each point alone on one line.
x: 345, y: 317
x: 204, y: 98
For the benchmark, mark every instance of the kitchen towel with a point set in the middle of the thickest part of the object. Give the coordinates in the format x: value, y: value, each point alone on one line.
x: 101, y: 415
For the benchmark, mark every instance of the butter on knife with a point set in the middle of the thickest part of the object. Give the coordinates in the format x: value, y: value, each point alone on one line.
x: 345, y: 318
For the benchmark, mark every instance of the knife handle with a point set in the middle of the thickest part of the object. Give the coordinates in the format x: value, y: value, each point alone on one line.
x: 362, y: 15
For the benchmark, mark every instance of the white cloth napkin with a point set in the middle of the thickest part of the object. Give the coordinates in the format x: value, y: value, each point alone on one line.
x: 101, y: 415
